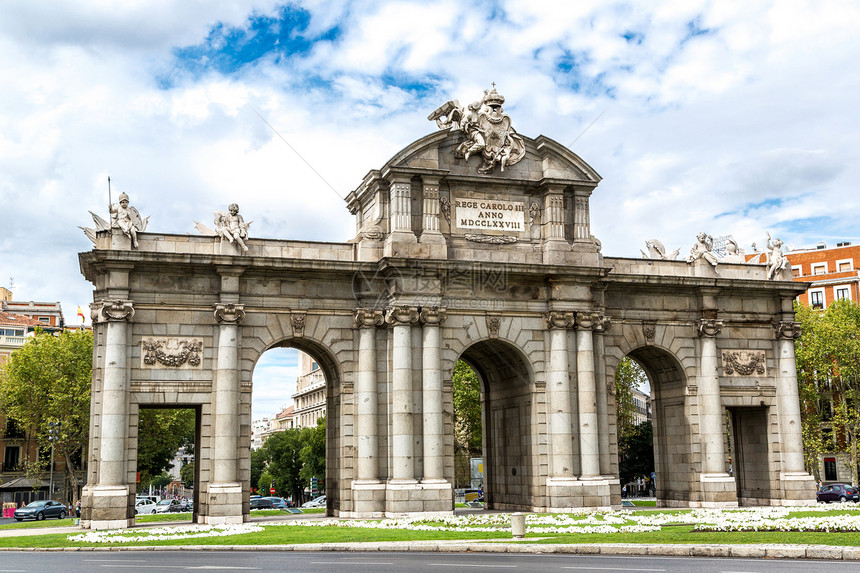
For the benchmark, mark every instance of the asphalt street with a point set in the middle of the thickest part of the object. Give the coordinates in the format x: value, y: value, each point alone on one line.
x: 319, y: 562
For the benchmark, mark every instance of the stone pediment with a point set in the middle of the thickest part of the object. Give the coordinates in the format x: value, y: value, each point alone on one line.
x: 544, y: 158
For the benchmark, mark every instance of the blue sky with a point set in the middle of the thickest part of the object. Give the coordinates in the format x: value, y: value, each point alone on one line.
x: 729, y: 117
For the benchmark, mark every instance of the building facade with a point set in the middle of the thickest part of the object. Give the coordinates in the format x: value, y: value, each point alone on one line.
x: 310, y: 394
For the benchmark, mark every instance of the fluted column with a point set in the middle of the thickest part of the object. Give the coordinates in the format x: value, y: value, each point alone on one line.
x: 434, y: 427
x: 401, y: 318
x: 588, y: 433
x: 114, y: 411
x: 226, y: 419
x: 791, y: 440
x: 602, y: 325
x: 401, y: 205
x: 559, y: 416
x: 710, y: 406
x: 367, y: 443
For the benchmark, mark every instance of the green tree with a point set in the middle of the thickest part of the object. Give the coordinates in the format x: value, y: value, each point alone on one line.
x: 312, y: 454
x: 636, y: 453
x: 259, y: 461
x: 285, y: 464
x: 161, y: 433
x: 629, y: 376
x: 186, y: 473
x: 468, y: 439
x: 48, y: 380
x: 828, y: 372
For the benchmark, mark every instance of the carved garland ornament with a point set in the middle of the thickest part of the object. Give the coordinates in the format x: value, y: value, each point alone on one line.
x: 744, y: 363
x: 491, y: 239
x: 172, y: 352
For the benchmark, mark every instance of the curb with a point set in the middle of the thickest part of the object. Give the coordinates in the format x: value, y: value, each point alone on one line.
x: 772, y: 551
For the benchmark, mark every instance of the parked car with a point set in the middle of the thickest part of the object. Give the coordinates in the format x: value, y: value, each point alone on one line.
x: 41, y: 509
x: 144, y: 506
x: 168, y: 506
x: 318, y: 502
x: 277, y: 502
x: 838, y: 492
x: 262, y: 503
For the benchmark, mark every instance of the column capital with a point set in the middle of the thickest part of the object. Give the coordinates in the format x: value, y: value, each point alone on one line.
x: 787, y: 330
x: 433, y: 315
x: 402, y: 314
x: 709, y: 327
x: 587, y: 320
x: 559, y: 319
x: 602, y: 324
x: 112, y: 311
x: 229, y: 313
x: 368, y: 317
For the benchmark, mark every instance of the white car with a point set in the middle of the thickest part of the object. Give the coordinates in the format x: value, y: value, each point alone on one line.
x: 144, y: 506
x: 167, y: 506
x: 318, y: 502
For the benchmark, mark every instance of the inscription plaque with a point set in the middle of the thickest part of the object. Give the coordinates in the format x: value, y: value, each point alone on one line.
x: 490, y: 215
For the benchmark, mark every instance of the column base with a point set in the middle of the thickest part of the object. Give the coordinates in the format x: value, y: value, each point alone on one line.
x: 224, y: 504
x: 368, y: 499
x: 404, y: 498
x: 566, y: 493
x: 107, y: 507
x: 718, y: 490
x: 797, y: 488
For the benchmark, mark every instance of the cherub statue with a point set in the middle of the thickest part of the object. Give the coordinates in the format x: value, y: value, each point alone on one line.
x: 231, y: 226
x: 776, y: 258
x: 702, y: 249
x: 126, y: 218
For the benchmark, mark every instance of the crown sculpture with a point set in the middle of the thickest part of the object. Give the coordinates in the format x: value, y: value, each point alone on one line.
x: 487, y: 129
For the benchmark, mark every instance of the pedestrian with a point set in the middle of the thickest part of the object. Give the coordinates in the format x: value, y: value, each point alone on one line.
x: 78, y: 509
x: 624, y: 491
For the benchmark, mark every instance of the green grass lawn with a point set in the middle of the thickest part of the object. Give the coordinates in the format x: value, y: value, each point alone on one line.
x: 680, y: 533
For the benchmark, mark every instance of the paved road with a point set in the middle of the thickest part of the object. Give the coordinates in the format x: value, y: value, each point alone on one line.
x: 318, y: 562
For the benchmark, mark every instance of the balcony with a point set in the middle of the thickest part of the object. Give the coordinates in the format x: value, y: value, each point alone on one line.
x: 11, y: 340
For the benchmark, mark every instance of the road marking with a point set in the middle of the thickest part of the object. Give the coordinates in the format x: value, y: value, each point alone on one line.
x: 192, y: 567
x: 610, y: 569
x: 114, y: 560
x: 350, y: 561
x: 467, y: 565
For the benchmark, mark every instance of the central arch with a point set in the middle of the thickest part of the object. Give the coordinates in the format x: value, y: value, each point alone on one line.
x: 506, y: 414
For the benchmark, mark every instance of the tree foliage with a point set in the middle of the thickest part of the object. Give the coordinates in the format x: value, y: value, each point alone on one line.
x: 468, y: 438
x: 161, y: 433
x: 636, y: 453
x: 48, y: 380
x: 289, y: 460
x: 629, y: 376
x: 828, y: 373
x: 186, y: 473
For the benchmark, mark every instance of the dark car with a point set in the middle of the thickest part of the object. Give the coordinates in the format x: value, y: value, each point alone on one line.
x: 41, y: 509
x: 262, y: 503
x: 838, y: 492
x: 278, y: 502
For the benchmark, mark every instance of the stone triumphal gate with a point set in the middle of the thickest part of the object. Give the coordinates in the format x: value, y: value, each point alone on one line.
x: 472, y: 243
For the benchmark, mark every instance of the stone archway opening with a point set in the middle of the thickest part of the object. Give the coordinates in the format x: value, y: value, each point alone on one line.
x: 507, y: 424
x: 671, y: 430
x: 634, y: 429
x: 293, y: 382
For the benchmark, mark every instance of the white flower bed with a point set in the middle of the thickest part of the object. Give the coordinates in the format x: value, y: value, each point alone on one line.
x: 578, y: 521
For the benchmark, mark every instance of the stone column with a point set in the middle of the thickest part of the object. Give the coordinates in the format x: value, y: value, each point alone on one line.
x: 588, y: 433
x: 224, y: 489
x: 791, y: 441
x: 581, y: 218
x: 401, y: 318
x: 400, y: 236
x: 434, y: 427
x: 602, y: 325
x: 710, y: 405
x: 366, y: 399
x: 559, y: 415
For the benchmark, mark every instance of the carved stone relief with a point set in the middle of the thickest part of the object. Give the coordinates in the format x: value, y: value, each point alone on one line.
x: 744, y: 363
x: 494, y: 322
x: 171, y: 352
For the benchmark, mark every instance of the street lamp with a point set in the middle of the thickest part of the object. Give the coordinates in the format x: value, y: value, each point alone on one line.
x: 53, y: 436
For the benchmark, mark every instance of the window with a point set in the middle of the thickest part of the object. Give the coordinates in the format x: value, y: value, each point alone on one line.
x: 844, y: 266
x: 819, y: 269
x: 816, y: 298
x: 841, y: 292
x: 795, y: 271
x: 11, y: 458
x: 45, y: 320
x: 830, y: 469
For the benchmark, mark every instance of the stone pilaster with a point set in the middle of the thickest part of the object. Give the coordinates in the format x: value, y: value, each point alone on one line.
x: 434, y: 428
x: 225, y: 490
x: 400, y: 319
x: 588, y: 429
x: 602, y: 325
x: 109, y: 498
x: 559, y: 415
x: 368, y: 491
x: 400, y: 219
